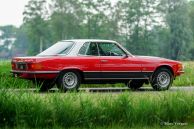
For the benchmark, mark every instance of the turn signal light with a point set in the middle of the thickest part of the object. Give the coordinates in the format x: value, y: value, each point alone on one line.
x: 180, y: 67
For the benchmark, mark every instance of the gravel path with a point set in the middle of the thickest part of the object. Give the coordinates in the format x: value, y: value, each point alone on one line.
x: 109, y: 90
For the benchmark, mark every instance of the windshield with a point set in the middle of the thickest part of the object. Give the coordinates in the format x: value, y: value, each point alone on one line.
x: 57, y: 49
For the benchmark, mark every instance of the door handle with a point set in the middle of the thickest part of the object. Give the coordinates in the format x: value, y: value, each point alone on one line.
x: 104, y: 61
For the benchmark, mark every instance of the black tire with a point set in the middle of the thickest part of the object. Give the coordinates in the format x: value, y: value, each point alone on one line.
x: 135, y: 84
x: 162, y: 79
x: 69, y: 81
x: 44, y: 85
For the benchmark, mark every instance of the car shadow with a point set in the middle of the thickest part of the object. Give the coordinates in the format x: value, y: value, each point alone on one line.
x: 104, y: 90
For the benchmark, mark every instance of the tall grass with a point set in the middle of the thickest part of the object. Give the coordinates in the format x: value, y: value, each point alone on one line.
x: 5, y: 66
x: 7, y: 80
x: 96, y: 110
x: 187, y: 79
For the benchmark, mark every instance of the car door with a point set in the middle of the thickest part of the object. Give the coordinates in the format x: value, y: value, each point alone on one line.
x: 89, y: 58
x: 115, y: 64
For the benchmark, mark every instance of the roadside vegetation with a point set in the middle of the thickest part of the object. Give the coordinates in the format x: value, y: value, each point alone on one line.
x: 187, y: 79
x: 84, y: 110
x: 7, y: 80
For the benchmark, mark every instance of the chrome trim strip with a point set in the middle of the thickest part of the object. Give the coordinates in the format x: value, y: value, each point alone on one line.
x: 113, y: 78
x: 180, y: 71
x: 35, y: 72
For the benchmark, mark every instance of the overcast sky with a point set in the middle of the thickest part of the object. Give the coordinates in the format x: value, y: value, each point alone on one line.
x: 11, y: 12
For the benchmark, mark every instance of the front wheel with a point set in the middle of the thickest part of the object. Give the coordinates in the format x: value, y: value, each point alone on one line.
x: 162, y: 79
x: 69, y: 80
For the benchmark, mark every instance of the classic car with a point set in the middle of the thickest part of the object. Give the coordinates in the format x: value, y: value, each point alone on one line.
x: 70, y: 63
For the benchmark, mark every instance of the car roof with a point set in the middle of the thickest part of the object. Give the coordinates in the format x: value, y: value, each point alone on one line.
x: 89, y: 40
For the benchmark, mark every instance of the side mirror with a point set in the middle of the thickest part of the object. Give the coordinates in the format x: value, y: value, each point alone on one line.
x: 125, y: 56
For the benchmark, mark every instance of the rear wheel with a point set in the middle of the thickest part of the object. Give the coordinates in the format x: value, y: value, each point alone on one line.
x: 135, y: 84
x: 162, y: 79
x: 69, y: 81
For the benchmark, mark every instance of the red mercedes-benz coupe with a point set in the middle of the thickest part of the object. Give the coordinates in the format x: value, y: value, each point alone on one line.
x: 72, y: 62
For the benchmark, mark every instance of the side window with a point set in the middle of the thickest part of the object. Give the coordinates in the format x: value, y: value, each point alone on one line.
x: 92, y: 50
x: 110, y: 49
x: 89, y: 49
x: 67, y: 49
x: 83, y: 49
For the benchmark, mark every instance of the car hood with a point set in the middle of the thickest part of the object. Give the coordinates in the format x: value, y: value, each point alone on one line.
x: 154, y: 59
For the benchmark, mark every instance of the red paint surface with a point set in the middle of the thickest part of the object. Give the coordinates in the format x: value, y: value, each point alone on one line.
x: 93, y: 63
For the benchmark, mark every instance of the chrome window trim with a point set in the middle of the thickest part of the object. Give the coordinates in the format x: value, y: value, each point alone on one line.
x: 114, y: 78
x: 35, y: 72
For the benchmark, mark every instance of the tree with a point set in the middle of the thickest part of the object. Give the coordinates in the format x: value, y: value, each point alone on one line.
x: 138, y: 18
x: 21, y: 44
x: 160, y: 36
x: 191, y: 18
x: 96, y: 23
x: 177, y: 20
x: 35, y: 20
x: 66, y: 19
x: 147, y: 27
x: 7, y: 38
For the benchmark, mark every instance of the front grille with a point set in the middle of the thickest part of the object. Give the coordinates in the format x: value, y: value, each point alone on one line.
x: 21, y: 66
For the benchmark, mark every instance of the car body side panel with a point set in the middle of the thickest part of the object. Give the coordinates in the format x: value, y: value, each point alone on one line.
x: 86, y: 64
x: 94, y: 67
x: 121, y: 68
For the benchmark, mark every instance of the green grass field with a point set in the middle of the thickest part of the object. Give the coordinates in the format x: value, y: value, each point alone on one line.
x: 187, y: 79
x: 6, y: 79
x: 73, y: 110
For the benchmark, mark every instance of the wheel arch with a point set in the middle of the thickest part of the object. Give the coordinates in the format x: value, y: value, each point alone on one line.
x: 73, y: 70
x: 165, y: 66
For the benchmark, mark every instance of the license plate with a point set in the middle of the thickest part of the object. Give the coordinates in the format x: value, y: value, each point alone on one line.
x: 21, y: 66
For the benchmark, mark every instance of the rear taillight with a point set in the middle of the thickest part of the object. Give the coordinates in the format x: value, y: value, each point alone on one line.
x: 34, y: 66
x: 13, y: 65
